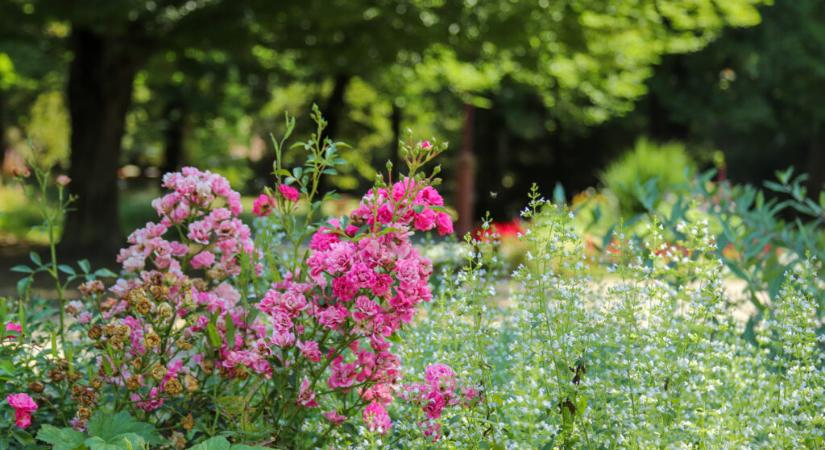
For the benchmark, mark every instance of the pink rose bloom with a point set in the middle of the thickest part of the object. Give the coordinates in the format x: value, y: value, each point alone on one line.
x: 290, y: 193
x: 306, y: 396
x: 425, y: 144
x: 425, y: 221
x: 15, y: 327
x: 376, y: 418
x: 444, y: 224
x: 23, y: 406
x: 334, y: 417
x: 262, y: 206
x: 202, y: 260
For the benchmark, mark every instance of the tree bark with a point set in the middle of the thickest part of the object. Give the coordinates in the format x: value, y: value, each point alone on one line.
x: 174, y: 135
x: 100, y: 85
x: 333, y: 110
x: 816, y: 162
x: 465, y: 186
x: 395, y: 147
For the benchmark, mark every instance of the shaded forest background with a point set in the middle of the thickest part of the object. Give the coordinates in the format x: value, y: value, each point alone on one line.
x: 117, y: 93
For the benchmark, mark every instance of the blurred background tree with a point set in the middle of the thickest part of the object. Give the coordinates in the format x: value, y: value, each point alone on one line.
x: 118, y: 92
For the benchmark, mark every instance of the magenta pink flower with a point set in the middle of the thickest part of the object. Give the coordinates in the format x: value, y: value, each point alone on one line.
x: 202, y: 260
x: 23, y: 406
x: 376, y: 418
x: 289, y: 193
x: 306, y: 396
x: 425, y: 144
x: 13, y: 327
x: 262, y: 206
x: 334, y: 417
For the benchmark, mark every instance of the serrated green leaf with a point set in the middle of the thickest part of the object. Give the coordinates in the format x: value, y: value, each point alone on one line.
x: 61, y: 438
x: 215, y: 443
x: 110, y: 427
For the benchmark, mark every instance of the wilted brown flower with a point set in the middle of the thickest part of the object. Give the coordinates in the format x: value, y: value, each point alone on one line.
x: 158, y: 372
x: 143, y: 306
x: 152, y: 340
x: 92, y: 287
x: 36, y: 386
x: 95, y: 332
x: 133, y: 383
x: 83, y: 413
x: 165, y: 311
x: 188, y: 422
x: 190, y: 382
x: 178, y: 440
x: 173, y: 387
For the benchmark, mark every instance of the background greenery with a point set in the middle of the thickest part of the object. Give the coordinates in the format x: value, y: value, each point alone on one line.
x: 558, y: 91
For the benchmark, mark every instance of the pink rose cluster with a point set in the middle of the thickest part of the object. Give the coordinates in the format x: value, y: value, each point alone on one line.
x: 439, y: 391
x: 265, y: 203
x: 181, y: 296
x: 407, y: 203
x: 24, y: 406
x: 191, y: 208
x: 364, y: 281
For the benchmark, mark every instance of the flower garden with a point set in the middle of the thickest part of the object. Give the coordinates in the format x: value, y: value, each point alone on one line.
x: 696, y: 325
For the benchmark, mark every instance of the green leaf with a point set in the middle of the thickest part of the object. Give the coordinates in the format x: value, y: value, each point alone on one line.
x: 84, y: 265
x: 212, y: 333
x: 67, y: 269
x: 23, y: 285
x: 126, y: 441
x: 104, y: 273
x: 111, y: 428
x: 558, y: 194
x: 35, y: 259
x: 215, y: 443
x: 23, y: 437
x: 61, y: 438
x: 21, y: 268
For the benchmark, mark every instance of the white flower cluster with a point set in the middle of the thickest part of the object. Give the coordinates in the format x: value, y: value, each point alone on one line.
x: 639, y: 350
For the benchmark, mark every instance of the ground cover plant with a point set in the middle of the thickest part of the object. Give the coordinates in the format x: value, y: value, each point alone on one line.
x: 305, y: 331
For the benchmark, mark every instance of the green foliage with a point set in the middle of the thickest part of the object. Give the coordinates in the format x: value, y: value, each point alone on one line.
x: 220, y: 443
x: 648, y: 166
x: 106, y: 431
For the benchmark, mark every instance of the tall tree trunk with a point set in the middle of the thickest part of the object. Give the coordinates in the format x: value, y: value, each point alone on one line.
x: 816, y: 162
x: 100, y: 85
x: 174, y: 135
x: 465, y: 186
x: 333, y: 110
x: 395, y: 148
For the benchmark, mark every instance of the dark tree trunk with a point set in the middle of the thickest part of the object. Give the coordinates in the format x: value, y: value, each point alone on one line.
x: 334, y: 106
x: 3, y: 143
x: 465, y: 168
x: 100, y: 84
x: 174, y: 135
x: 395, y: 147
x: 333, y: 110
x: 816, y: 162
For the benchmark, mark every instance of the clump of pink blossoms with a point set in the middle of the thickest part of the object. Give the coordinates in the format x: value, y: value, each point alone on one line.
x: 364, y: 281
x: 180, y: 319
x: 24, y: 406
x: 439, y: 391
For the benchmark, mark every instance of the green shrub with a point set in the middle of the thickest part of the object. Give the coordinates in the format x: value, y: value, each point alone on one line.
x: 668, y: 164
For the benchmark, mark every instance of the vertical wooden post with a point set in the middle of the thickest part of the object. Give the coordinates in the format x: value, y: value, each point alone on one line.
x: 465, y: 174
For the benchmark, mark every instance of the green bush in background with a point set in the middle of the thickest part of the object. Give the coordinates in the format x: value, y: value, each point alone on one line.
x: 669, y: 164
